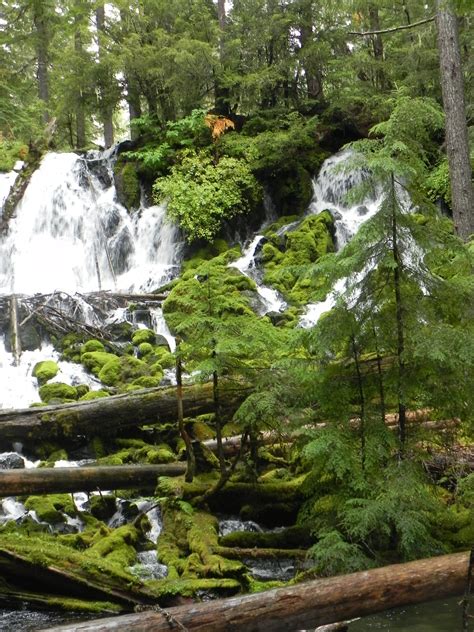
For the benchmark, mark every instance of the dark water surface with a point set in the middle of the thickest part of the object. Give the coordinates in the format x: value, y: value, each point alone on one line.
x: 436, y: 616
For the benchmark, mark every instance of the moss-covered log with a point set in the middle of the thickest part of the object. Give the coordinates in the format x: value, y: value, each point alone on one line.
x: 111, y: 416
x: 73, y: 479
x: 306, y: 605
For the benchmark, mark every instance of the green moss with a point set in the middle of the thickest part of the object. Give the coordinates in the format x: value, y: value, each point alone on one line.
x: 92, y: 345
x: 103, y: 506
x: 129, y: 185
x: 143, y: 335
x: 161, y: 454
x: 96, y: 360
x: 57, y: 391
x: 144, y: 349
x: 148, y: 381
x: 82, y: 389
x: 286, y: 261
x: 80, y: 605
x: 50, y: 508
x: 122, y: 369
x: 201, y: 431
x: 94, y: 395
x: 44, y: 371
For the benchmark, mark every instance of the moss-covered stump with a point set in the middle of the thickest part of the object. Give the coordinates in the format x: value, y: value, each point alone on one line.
x: 186, y: 546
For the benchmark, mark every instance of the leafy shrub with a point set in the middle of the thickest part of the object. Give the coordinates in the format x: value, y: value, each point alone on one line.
x: 201, y: 194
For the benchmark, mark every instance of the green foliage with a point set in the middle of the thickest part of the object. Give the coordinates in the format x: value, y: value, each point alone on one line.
x: 201, y: 195
x: 10, y: 153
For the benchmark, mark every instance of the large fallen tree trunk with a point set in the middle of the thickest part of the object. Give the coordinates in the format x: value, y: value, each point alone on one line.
x: 110, y: 416
x: 306, y: 605
x: 85, y: 479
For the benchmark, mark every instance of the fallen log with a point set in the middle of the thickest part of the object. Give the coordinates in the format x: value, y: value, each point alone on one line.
x: 307, y: 605
x: 111, y: 416
x: 60, y: 480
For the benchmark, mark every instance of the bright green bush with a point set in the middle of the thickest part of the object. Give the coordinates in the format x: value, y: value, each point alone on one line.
x: 201, y: 194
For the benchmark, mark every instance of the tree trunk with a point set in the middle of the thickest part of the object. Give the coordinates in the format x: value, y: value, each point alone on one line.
x: 452, y: 84
x: 107, y: 109
x: 221, y: 93
x: 400, y: 325
x: 111, y: 416
x: 190, y: 458
x: 314, y: 80
x: 306, y: 605
x: 39, y: 21
x: 377, y: 45
x: 80, y: 112
x: 61, y: 480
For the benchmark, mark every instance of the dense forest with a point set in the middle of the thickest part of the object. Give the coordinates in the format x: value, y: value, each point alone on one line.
x: 320, y: 374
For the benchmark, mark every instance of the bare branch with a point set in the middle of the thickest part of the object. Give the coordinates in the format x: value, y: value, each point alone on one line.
x: 393, y: 29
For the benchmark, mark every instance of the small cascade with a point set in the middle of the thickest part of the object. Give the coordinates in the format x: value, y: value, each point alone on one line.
x: 271, y: 300
x: 330, y: 192
x: 161, y: 328
x: 7, y: 180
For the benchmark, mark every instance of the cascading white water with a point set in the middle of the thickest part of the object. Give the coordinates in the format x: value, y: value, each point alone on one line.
x: 69, y: 233
x: 270, y: 298
x: 330, y: 191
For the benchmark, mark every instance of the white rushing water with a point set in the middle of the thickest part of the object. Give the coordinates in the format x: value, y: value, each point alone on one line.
x: 271, y: 300
x: 330, y: 192
x: 69, y: 233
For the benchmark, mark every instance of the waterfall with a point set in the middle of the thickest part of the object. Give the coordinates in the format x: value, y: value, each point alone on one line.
x: 69, y: 233
x: 69, y: 236
x: 271, y: 300
x: 330, y: 192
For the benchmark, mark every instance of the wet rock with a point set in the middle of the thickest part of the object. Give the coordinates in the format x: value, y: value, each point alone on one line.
x: 11, y: 461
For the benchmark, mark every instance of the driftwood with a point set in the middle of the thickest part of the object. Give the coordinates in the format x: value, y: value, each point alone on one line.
x: 111, y: 416
x: 85, y: 479
x: 307, y: 605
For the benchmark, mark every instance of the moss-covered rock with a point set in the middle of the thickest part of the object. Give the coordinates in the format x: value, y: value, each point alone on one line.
x: 45, y: 370
x: 57, y: 391
x: 122, y: 370
x: 149, y: 381
x: 94, y: 361
x: 51, y: 508
x: 94, y: 395
x: 92, y: 345
x: 286, y: 259
x: 127, y: 184
x: 144, y: 335
x: 144, y: 349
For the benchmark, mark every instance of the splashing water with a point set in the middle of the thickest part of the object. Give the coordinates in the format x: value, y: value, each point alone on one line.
x: 70, y: 233
x: 270, y: 298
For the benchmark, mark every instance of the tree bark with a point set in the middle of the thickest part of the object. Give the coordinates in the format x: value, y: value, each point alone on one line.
x: 306, y: 605
x: 111, y: 416
x: 60, y: 480
x: 79, y: 50
x: 452, y: 85
x: 39, y: 21
x: 107, y: 109
x: 314, y: 79
x: 190, y: 458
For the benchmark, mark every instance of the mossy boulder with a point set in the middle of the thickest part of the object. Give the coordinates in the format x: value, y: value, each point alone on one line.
x: 120, y: 370
x: 127, y: 184
x: 94, y: 361
x: 143, y: 335
x: 144, y: 349
x: 92, y: 345
x: 45, y: 370
x: 148, y: 381
x: 57, y: 391
x: 103, y: 506
x: 94, y: 395
x: 51, y: 508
